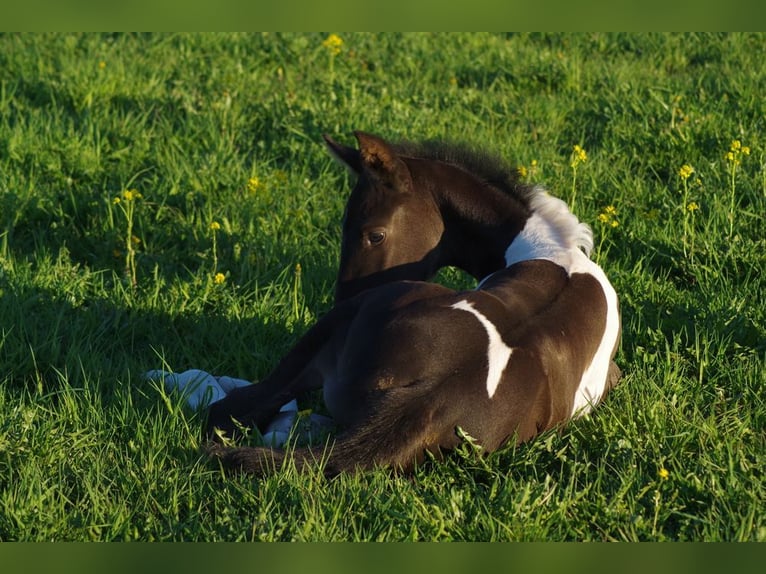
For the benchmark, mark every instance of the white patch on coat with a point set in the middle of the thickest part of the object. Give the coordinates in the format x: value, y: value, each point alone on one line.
x: 593, y: 381
x: 498, y: 353
x: 555, y: 234
x: 551, y: 232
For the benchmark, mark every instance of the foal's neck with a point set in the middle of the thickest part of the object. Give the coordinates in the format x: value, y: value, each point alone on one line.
x: 477, y: 234
x: 551, y: 232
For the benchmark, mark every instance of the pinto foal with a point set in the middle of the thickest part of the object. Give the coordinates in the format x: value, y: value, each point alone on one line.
x: 404, y: 363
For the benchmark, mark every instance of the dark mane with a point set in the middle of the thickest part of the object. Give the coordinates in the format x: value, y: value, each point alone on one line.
x: 490, y: 169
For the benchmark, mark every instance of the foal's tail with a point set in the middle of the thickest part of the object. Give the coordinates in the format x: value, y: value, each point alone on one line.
x: 397, y: 435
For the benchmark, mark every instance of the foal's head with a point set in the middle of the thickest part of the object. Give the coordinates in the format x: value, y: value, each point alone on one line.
x: 392, y: 225
x: 418, y: 208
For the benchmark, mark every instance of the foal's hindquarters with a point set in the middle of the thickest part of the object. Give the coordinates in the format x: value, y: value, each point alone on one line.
x: 406, y: 365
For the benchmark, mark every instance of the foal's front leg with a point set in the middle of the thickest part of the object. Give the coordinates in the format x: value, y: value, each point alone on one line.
x: 257, y: 404
x: 299, y: 371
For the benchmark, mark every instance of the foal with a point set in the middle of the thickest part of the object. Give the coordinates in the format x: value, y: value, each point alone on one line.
x: 403, y: 364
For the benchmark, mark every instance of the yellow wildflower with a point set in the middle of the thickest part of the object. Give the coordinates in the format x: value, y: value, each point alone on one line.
x: 663, y: 473
x: 215, y: 226
x: 685, y: 171
x: 101, y: 65
x: 736, y: 151
x: 578, y: 156
x: 528, y: 172
x: 219, y: 278
x: 609, y: 216
x: 131, y: 195
x: 693, y: 206
x: 253, y: 184
x: 333, y: 44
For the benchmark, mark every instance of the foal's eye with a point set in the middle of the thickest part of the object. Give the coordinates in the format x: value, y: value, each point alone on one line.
x: 376, y: 237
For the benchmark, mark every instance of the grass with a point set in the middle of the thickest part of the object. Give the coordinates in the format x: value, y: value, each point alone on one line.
x: 224, y: 253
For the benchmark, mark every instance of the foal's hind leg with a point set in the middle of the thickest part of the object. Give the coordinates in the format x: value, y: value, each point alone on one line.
x: 398, y: 432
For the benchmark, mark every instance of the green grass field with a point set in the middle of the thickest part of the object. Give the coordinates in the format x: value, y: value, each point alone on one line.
x: 166, y: 201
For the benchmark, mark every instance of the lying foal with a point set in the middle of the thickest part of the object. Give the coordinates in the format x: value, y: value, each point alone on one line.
x: 404, y: 364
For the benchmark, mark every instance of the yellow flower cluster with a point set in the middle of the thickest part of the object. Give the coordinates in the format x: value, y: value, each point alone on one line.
x: 578, y: 156
x: 692, y: 207
x: 609, y: 216
x: 736, y: 151
x: 128, y: 195
x: 215, y: 226
x: 664, y: 473
x: 333, y: 44
x: 219, y: 278
x: 685, y: 172
x: 523, y: 171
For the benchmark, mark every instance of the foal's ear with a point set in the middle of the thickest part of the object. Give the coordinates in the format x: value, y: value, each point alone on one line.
x: 345, y: 155
x: 381, y: 161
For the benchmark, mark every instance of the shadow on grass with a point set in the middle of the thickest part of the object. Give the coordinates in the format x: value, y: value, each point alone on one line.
x: 50, y: 331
